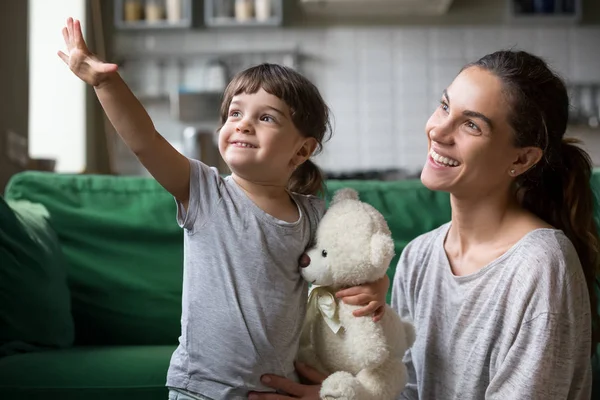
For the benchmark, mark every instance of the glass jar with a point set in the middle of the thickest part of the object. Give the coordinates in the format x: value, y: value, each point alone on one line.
x: 244, y: 10
x: 132, y: 10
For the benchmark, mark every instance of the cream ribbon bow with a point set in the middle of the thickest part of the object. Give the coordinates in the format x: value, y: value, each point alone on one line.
x: 321, y: 300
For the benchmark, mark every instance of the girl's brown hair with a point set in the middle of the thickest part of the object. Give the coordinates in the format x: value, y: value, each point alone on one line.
x: 558, y: 188
x: 308, y: 110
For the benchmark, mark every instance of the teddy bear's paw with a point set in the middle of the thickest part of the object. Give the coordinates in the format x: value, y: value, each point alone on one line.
x: 340, y: 386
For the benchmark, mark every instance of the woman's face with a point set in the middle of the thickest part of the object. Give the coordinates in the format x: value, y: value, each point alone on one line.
x: 471, y: 149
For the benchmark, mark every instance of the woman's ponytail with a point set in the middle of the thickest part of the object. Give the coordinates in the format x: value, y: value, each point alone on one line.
x: 307, y: 179
x: 563, y: 196
x: 557, y: 189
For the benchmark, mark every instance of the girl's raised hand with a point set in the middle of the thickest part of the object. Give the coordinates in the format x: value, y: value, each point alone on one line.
x: 80, y: 60
x: 371, y: 296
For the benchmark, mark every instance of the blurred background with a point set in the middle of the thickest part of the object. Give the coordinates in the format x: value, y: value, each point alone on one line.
x: 380, y: 64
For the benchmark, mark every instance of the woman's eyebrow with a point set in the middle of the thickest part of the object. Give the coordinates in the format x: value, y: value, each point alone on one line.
x: 472, y: 114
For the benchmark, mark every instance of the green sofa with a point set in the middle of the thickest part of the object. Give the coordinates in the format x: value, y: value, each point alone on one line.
x: 90, y: 279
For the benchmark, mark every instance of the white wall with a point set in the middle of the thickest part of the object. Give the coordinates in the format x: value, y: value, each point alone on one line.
x: 382, y: 83
x: 57, y: 117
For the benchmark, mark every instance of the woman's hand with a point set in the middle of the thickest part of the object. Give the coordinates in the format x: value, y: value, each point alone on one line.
x: 293, y: 389
x: 370, y: 295
x: 80, y: 60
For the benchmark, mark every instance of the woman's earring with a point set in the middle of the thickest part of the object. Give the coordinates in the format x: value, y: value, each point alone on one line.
x: 512, y: 171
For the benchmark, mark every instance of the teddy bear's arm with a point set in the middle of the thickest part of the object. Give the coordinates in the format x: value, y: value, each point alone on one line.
x: 365, y: 338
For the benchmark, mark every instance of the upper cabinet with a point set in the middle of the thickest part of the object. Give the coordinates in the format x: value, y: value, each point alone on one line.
x: 545, y: 10
x: 245, y: 13
x: 153, y: 14
x: 376, y: 7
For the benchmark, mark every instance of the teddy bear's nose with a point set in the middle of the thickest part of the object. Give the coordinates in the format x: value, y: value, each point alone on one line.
x: 304, y: 261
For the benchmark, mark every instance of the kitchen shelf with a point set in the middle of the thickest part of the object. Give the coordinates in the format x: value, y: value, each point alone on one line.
x: 544, y: 11
x: 212, y: 9
x: 185, y: 22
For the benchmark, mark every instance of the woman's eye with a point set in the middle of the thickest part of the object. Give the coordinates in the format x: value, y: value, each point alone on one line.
x: 324, y: 253
x: 473, y: 126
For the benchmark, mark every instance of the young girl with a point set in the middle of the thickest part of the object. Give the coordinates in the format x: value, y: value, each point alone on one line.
x: 243, y: 296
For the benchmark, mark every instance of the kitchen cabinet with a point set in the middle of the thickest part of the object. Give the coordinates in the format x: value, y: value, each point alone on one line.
x: 243, y: 13
x: 154, y: 14
x: 551, y: 11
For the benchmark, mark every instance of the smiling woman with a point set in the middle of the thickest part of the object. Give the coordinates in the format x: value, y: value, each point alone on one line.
x: 514, y: 271
x: 501, y: 295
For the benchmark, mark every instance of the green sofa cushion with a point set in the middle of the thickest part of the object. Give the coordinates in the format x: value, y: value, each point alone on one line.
x: 124, y: 254
x: 35, y: 304
x: 90, y: 373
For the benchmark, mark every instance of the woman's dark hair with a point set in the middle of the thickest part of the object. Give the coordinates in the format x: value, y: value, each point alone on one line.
x: 308, y: 110
x: 558, y: 188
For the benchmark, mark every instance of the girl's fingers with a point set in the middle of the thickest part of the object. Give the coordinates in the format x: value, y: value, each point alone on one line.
x: 63, y: 57
x: 77, y: 35
x: 310, y: 373
x: 65, y: 34
x: 70, y: 29
x: 103, y: 68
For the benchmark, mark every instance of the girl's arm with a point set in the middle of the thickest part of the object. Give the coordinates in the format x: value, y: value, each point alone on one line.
x: 370, y: 295
x: 169, y: 167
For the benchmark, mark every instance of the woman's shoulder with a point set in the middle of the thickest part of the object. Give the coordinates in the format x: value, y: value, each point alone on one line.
x: 546, y: 269
x: 546, y: 247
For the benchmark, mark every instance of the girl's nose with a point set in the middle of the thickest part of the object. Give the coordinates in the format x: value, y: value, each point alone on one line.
x: 304, y: 260
x: 243, y: 127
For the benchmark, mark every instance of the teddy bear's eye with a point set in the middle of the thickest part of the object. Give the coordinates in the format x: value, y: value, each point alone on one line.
x: 324, y: 253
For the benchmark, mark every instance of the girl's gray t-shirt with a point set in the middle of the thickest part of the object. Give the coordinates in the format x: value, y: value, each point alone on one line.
x: 243, y: 299
x: 519, y: 328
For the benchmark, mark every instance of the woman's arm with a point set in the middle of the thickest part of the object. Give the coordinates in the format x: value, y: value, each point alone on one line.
x: 292, y: 389
x: 549, y: 360
x: 402, y: 302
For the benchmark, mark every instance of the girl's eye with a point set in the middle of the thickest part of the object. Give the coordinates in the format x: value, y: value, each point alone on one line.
x: 267, y: 118
x: 234, y: 114
x: 444, y: 106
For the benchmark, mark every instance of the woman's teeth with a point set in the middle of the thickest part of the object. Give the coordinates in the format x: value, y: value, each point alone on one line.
x: 449, y: 162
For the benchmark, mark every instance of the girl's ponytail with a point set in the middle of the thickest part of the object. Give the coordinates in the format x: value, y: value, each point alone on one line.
x: 307, y: 179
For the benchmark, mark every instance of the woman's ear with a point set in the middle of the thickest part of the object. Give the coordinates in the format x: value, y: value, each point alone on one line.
x: 527, y: 158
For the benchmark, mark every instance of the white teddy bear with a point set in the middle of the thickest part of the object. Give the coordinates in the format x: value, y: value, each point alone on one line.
x: 353, y: 246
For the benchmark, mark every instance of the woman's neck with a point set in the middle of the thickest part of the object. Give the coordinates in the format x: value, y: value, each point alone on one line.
x: 479, y: 220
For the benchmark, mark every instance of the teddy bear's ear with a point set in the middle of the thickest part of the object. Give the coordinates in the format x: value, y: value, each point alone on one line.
x: 382, y: 250
x: 344, y: 194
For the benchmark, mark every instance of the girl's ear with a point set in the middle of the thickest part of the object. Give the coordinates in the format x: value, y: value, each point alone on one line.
x: 308, y: 147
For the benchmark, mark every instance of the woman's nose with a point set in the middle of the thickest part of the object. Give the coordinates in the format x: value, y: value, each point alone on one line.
x: 442, y: 132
